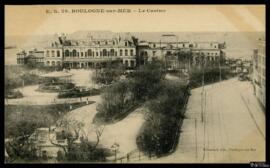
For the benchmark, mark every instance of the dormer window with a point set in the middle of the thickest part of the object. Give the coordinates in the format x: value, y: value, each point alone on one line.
x: 126, y: 43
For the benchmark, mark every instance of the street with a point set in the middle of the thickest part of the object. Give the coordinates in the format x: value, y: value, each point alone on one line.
x: 224, y: 124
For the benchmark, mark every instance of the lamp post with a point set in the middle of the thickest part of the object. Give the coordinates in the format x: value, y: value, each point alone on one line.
x: 115, y: 147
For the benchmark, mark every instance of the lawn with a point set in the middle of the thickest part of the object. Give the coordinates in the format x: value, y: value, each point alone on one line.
x: 24, y: 119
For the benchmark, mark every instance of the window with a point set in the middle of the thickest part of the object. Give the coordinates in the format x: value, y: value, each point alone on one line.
x: 115, y: 53
x: 67, y: 53
x: 82, y: 54
x: 154, y: 53
x: 53, y: 53
x: 58, y: 63
x: 126, y: 52
x: 48, y: 62
x: 74, y: 52
x: 154, y: 45
x: 126, y: 62
x: 106, y: 43
x: 96, y: 53
x: 100, y: 53
x: 93, y: 53
x: 121, y: 52
x: 126, y: 43
x: 131, y: 52
x: 89, y: 52
x: 53, y: 63
x: 112, y: 52
x: 58, y: 53
x: 85, y: 54
x: 48, y: 53
x: 132, y: 63
x: 104, y: 52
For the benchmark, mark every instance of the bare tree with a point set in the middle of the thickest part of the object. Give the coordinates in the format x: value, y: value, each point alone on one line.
x: 71, y: 130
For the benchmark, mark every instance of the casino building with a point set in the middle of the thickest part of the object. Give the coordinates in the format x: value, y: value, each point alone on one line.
x: 90, y: 52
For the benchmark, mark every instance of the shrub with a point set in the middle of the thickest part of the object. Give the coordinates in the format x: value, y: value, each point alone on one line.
x: 75, y: 93
x: 117, y: 100
x: 161, y: 128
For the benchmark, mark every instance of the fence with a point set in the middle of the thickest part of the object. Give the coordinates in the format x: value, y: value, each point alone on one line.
x: 133, y: 156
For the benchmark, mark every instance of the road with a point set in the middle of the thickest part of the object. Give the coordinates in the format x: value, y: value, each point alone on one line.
x: 225, y: 124
x: 123, y: 132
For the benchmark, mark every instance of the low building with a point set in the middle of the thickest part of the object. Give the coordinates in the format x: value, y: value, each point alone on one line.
x: 182, y: 54
x: 34, y: 57
x: 44, y: 140
x: 259, y: 71
x: 22, y: 58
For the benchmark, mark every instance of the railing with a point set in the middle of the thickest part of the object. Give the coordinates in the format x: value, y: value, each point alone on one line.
x: 133, y: 156
x: 104, y: 58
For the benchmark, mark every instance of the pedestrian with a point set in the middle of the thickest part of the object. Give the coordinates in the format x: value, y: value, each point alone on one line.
x: 127, y: 157
x: 87, y: 100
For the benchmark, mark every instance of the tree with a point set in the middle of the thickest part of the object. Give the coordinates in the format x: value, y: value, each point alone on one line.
x: 71, y: 130
x: 115, y: 100
x: 146, y: 80
x: 84, y: 150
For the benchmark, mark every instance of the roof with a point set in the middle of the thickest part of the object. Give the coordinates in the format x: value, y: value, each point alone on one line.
x: 57, y: 74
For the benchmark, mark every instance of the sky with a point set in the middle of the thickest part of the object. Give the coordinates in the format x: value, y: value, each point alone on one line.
x: 33, y: 19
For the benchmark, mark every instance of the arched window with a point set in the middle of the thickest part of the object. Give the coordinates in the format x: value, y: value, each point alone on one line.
x: 74, y: 53
x: 48, y: 62
x: 126, y: 52
x: 89, y: 52
x: 58, y: 53
x: 104, y: 52
x: 67, y: 53
x: 53, y: 54
x: 112, y: 52
x: 131, y: 52
x: 121, y: 52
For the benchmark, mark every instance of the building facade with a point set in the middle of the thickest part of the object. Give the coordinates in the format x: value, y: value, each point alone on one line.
x: 21, y: 58
x: 259, y: 72
x: 90, y: 52
x: 96, y: 52
x: 183, y: 54
x: 32, y: 57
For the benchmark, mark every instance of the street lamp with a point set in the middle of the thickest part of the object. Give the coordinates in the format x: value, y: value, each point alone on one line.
x: 115, y: 147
